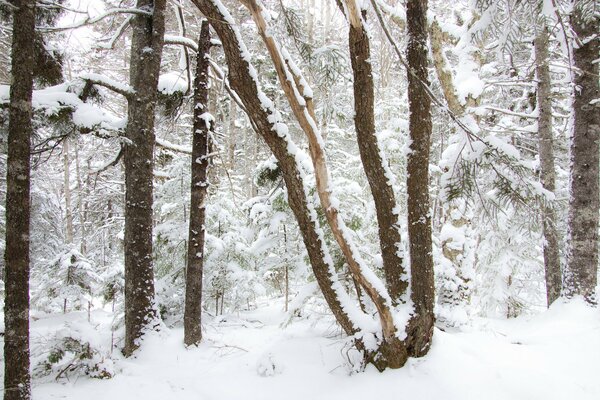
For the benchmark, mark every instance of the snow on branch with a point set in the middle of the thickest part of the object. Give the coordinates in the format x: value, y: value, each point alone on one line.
x: 90, y: 21
x: 115, y: 86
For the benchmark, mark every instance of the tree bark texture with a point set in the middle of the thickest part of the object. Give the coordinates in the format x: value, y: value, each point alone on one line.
x: 244, y: 85
x: 419, y: 217
x: 146, y: 52
x: 16, y: 307
x: 201, y: 144
x: 373, y: 162
x: 584, y: 202
x: 547, y: 170
x: 392, y: 352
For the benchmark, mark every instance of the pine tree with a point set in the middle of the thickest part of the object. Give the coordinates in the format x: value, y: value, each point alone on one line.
x: 146, y: 51
x: 201, y: 145
x: 16, y: 256
x: 582, y: 259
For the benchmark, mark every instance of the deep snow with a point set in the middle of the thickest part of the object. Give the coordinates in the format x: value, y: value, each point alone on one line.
x: 250, y: 356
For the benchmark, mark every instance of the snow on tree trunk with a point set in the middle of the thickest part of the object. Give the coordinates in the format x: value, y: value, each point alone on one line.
x: 201, y: 144
x: 375, y: 165
x: 242, y: 78
x: 146, y: 51
x: 547, y: 170
x: 16, y: 307
x: 419, y: 216
x: 582, y: 259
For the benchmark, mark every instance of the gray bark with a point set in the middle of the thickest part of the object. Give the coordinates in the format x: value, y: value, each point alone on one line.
x: 584, y: 202
x: 16, y: 307
x: 547, y: 170
x: 419, y: 216
x: 201, y: 144
x: 370, y: 154
x: 146, y: 52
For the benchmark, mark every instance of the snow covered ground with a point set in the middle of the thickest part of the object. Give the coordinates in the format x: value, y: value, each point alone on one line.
x: 553, y: 355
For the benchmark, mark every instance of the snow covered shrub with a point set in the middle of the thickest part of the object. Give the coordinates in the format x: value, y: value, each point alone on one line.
x: 68, y: 355
x: 113, y: 286
x: 68, y: 282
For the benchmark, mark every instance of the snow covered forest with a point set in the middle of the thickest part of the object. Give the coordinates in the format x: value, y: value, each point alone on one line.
x: 308, y: 199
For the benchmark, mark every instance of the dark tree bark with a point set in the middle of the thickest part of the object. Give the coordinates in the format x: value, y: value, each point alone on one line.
x: 547, y: 170
x: 243, y: 84
x: 16, y: 307
x: 201, y: 144
x: 370, y: 154
x: 146, y: 52
x: 582, y: 259
x: 419, y: 217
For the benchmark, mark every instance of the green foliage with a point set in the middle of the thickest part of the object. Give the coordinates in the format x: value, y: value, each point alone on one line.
x: 268, y: 174
x: 69, y: 356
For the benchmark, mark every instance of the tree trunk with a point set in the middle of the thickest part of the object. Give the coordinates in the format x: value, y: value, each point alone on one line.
x: 67, y: 190
x: 547, y: 170
x: 582, y: 259
x: 201, y: 144
x: 263, y: 115
x: 146, y: 52
x: 16, y: 256
x: 419, y: 217
x: 375, y: 166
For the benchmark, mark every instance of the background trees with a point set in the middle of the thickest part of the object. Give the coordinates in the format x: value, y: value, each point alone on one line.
x: 454, y: 154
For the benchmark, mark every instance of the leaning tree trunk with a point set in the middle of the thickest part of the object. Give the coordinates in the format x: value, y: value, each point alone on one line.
x: 146, y: 52
x: 201, y: 144
x: 419, y: 217
x: 582, y: 258
x: 16, y: 306
x: 547, y: 170
x: 375, y: 166
x: 261, y: 112
x: 391, y: 352
x: 584, y: 202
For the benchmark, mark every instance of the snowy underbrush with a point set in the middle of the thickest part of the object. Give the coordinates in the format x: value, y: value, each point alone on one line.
x: 262, y: 355
x: 69, y: 346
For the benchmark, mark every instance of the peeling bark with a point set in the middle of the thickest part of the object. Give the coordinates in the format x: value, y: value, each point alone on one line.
x: 244, y: 85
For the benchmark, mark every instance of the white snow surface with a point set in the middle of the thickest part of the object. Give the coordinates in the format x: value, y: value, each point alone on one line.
x: 552, y: 355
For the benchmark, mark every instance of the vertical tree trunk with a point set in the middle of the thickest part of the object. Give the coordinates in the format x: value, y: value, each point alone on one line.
x: 16, y: 256
x: 201, y: 144
x: 67, y: 190
x: 146, y: 52
x: 232, y: 139
x: 582, y: 259
x: 547, y: 171
x: 419, y: 217
x: 80, y: 195
x: 378, y: 175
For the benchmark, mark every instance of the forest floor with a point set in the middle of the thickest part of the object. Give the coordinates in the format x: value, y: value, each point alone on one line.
x: 250, y: 356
